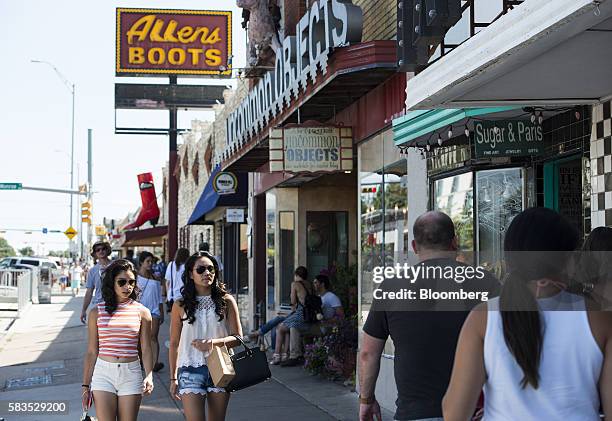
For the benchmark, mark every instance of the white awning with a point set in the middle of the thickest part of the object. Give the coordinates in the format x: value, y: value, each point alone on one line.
x: 544, y: 52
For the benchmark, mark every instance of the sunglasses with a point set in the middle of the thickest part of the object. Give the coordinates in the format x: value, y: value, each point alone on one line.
x: 122, y: 282
x: 202, y: 269
x: 97, y: 249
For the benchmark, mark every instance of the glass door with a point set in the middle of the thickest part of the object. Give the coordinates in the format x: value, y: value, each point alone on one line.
x: 499, y: 198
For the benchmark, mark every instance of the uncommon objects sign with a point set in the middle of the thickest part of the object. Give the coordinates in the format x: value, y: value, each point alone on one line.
x: 183, y: 42
x: 507, y: 138
x: 311, y: 149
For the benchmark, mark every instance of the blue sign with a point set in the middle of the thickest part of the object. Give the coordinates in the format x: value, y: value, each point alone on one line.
x: 44, y: 230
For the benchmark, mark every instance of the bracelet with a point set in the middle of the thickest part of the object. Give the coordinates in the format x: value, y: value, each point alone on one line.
x: 85, y: 385
x: 172, y: 379
x: 367, y: 401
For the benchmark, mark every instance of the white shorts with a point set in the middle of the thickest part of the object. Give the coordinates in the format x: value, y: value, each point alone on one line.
x: 118, y: 378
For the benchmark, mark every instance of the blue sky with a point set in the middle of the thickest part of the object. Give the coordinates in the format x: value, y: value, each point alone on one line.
x: 79, y: 39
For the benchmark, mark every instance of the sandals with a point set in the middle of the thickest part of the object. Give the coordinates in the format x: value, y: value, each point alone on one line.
x: 279, y: 358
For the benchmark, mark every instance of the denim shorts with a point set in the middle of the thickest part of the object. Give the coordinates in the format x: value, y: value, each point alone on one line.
x: 196, y: 380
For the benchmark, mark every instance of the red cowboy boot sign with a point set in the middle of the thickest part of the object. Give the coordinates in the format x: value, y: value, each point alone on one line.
x: 149, y: 210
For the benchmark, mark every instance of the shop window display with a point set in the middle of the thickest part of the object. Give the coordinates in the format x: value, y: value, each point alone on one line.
x: 454, y: 196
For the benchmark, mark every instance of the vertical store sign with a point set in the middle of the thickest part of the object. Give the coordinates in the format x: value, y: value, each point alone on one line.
x: 328, y: 24
x: 182, y: 42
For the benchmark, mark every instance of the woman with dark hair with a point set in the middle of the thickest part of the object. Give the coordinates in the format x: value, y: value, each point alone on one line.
x: 115, y: 327
x: 594, y: 272
x: 204, y: 317
x: 151, y: 297
x: 539, y: 352
x: 300, y: 288
x: 174, y: 276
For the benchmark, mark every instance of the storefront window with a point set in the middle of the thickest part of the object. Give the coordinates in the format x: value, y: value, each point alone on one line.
x: 270, y: 225
x: 326, y: 240
x: 500, y: 199
x: 454, y: 196
x: 286, y: 254
x: 383, y: 201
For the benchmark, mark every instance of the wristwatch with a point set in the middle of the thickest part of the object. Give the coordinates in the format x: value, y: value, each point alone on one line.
x: 368, y: 400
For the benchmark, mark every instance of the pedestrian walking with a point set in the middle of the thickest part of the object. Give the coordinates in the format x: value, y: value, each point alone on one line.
x: 538, y: 352
x: 112, y: 371
x: 424, y: 334
x: 205, y: 316
x: 594, y: 270
x: 174, y: 277
x: 151, y: 297
x: 76, y: 276
x: 100, y: 251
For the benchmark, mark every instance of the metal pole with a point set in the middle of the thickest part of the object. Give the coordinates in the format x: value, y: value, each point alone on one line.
x: 72, y: 157
x: 172, y: 183
x: 89, y: 180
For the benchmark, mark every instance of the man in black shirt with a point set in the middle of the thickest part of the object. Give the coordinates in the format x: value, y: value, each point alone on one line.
x: 424, y: 330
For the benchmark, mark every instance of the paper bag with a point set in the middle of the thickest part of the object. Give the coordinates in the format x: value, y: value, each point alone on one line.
x: 220, y: 366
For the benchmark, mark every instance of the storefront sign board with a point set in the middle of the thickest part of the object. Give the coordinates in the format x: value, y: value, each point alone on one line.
x: 311, y: 149
x: 234, y: 215
x: 507, y: 138
x: 225, y: 183
x: 177, y: 42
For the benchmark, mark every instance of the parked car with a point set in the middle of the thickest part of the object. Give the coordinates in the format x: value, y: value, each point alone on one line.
x: 39, y: 262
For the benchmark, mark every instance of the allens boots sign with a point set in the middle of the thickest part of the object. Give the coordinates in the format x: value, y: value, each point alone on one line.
x: 184, y: 42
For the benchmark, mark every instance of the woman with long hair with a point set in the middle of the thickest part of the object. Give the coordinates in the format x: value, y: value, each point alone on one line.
x: 204, y: 317
x: 300, y: 288
x: 151, y: 297
x: 115, y: 328
x: 594, y: 271
x: 539, y: 351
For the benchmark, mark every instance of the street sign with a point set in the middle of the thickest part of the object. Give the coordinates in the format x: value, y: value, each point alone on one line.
x: 45, y: 230
x: 11, y: 186
x: 70, y: 233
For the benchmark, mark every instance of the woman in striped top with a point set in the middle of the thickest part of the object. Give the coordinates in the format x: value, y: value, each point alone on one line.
x: 116, y: 326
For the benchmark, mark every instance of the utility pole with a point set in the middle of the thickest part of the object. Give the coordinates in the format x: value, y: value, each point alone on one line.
x: 172, y: 183
x: 72, y: 88
x: 89, y: 180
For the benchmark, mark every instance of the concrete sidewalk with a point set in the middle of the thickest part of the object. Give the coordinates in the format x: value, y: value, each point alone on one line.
x: 41, y: 358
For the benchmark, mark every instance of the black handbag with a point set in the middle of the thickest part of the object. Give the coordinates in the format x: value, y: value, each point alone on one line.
x: 251, y: 367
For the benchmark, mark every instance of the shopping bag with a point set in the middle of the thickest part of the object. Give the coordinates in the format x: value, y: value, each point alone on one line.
x: 220, y: 366
x: 251, y: 367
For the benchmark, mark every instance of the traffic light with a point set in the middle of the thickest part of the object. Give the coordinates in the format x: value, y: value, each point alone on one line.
x: 86, y: 212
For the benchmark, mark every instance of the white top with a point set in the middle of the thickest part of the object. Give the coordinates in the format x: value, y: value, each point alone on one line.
x: 150, y: 294
x: 76, y: 273
x: 174, y: 281
x: 329, y: 303
x: 570, y: 367
x: 205, y: 326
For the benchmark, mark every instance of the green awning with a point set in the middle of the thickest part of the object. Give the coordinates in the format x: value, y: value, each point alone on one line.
x: 409, y: 128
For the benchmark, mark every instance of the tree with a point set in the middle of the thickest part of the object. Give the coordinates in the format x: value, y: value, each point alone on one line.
x: 5, y: 248
x: 59, y: 253
x: 26, y: 251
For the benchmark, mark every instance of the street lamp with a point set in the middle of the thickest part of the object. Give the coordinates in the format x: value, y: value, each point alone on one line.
x: 71, y: 87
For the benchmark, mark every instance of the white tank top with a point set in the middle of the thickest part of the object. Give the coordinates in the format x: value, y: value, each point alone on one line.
x: 205, y: 326
x: 569, y: 368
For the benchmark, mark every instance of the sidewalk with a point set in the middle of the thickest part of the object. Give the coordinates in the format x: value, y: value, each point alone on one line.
x: 41, y: 358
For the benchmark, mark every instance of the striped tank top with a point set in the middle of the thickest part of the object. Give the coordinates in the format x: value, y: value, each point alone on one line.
x: 118, y: 333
